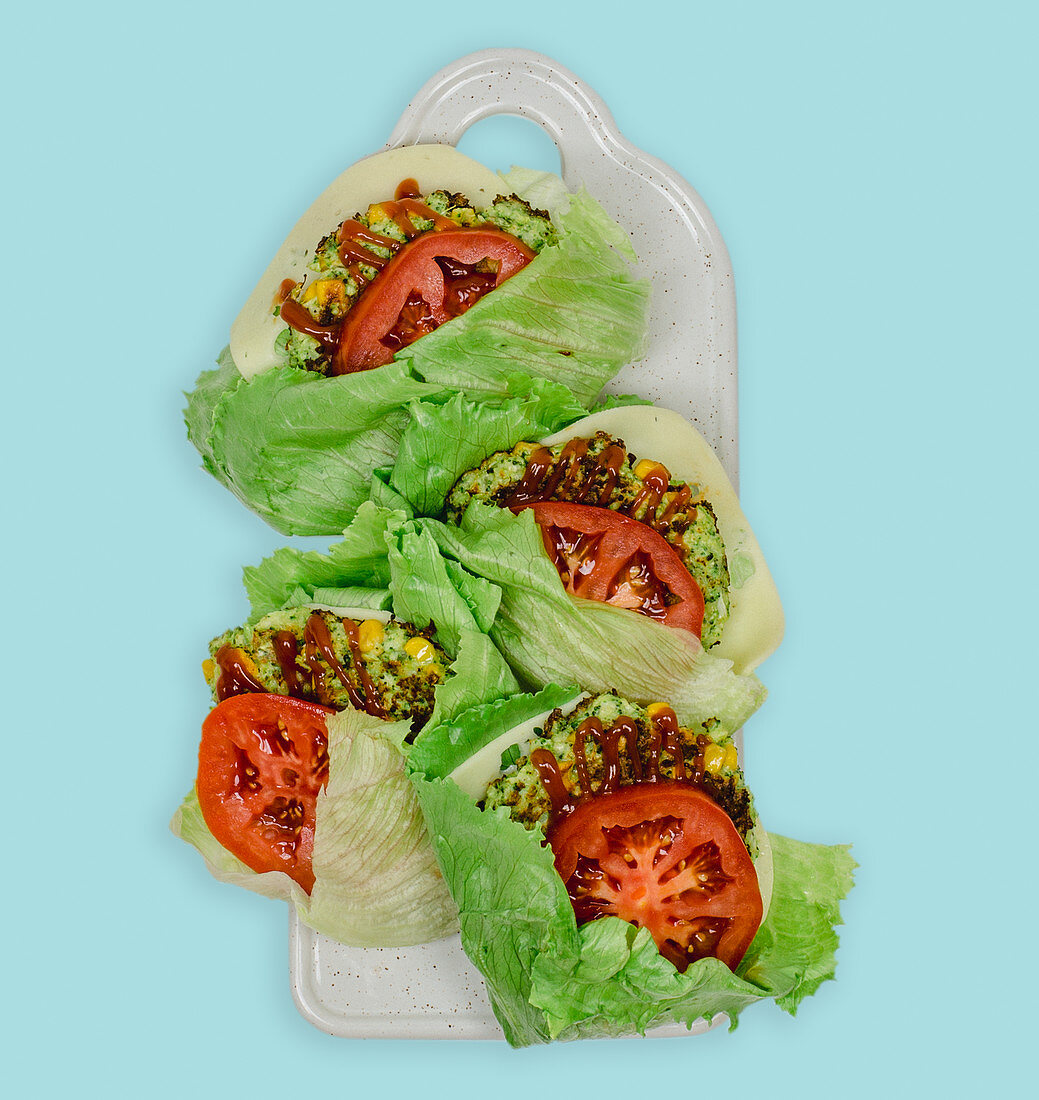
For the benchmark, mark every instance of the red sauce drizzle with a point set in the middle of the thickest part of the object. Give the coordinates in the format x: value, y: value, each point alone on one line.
x: 548, y: 477
x: 681, y: 498
x: 286, y: 650
x: 552, y: 780
x: 593, y: 726
x: 235, y: 678
x: 298, y: 316
x: 318, y: 642
x: 654, y: 486
x: 412, y: 206
x: 353, y: 236
x: 284, y: 290
x: 663, y: 734
x: 372, y: 705
x: 664, y: 738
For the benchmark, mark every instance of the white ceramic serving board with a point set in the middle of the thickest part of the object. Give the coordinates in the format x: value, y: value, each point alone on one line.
x: 433, y: 991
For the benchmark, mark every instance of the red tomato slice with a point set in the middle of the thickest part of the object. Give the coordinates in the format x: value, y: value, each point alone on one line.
x: 431, y: 279
x: 665, y: 857
x: 262, y: 760
x: 604, y: 555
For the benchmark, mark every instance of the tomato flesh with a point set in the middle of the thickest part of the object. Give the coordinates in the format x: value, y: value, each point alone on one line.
x: 261, y: 763
x: 416, y: 320
x: 604, y: 555
x: 665, y: 857
x: 433, y: 278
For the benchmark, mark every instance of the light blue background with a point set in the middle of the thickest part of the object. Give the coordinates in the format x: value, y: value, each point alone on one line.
x: 872, y: 169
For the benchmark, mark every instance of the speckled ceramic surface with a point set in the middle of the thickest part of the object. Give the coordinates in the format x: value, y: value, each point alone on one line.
x: 427, y: 992
x: 690, y: 365
x: 433, y: 991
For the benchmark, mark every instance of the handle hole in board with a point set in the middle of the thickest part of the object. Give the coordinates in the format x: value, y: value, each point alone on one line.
x: 502, y: 141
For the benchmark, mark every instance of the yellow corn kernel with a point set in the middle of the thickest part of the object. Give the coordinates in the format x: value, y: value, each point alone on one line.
x: 310, y: 291
x: 732, y: 760
x: 325, y: 291
x: 377, y: 212
x: 208, y: 668
x: 421, y: 650
x: 714, y: 758
x: 369, y: 635
x: 656, y: 709
x: 648, y: 468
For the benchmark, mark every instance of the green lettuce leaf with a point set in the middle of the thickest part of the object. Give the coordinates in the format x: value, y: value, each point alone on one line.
x: 359, y: 559
x: 378, y: 599
x: 548, y: 979
x: 300, y: 449
x: 512, y: 904
x: 382, y: 552
x: 384, y: 495
x: 548, y: 637
x: 212, y: 387
x: 297, y: 448
x: 439, y: 749
x: 377, y: 883
x: 478, y: 674
x: 427, y: 588
x: 574, y: 315
x: 795, y: 951
x: 443, y: 441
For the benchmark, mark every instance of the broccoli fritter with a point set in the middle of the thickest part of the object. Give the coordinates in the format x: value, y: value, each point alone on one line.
x: 516, y: 216
x: 692, y: 530
x: 401, y: 664
x: 707, y: 750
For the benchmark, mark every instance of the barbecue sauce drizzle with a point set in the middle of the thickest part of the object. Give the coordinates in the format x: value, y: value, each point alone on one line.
x: 549, y: 478
x: 235, y: 678
x: 663, y: 738
x: 298, y: 317
x: 663, y: 728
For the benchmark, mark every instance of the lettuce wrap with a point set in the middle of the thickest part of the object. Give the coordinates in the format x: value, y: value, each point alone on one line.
x: 376, y: 880
x: 549, y: 979
x: 299, y: 448
x: 447, y: 443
